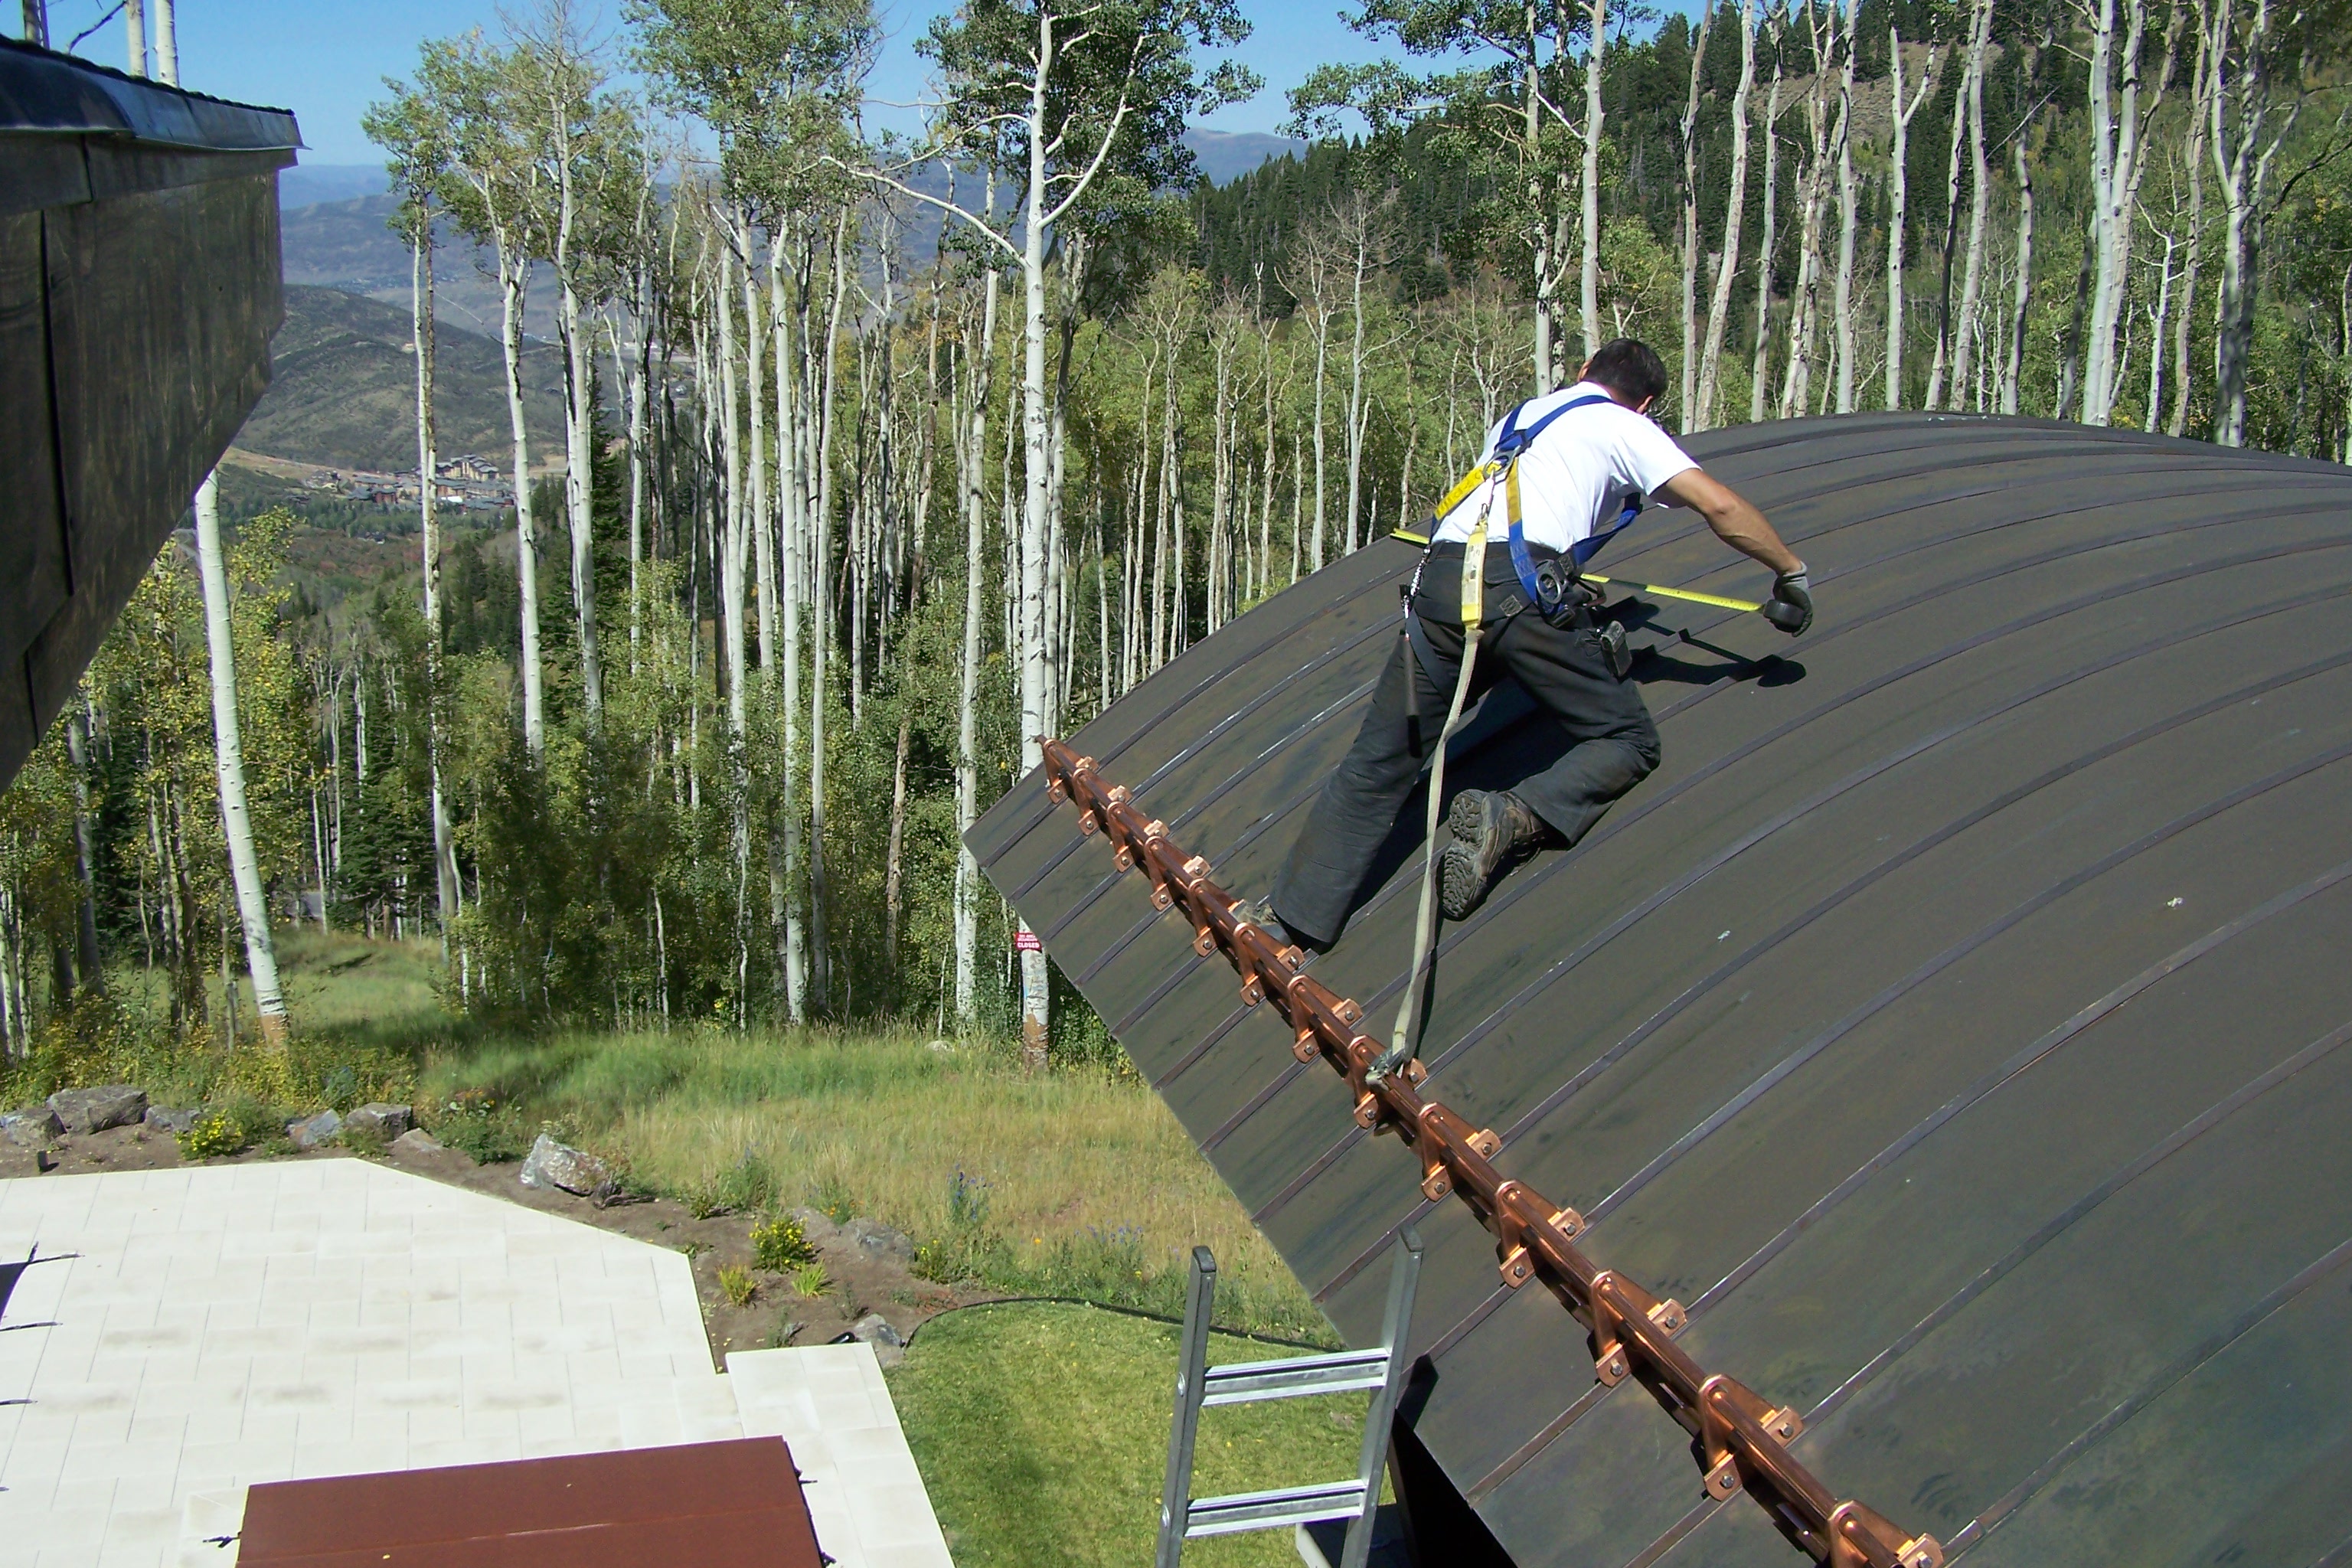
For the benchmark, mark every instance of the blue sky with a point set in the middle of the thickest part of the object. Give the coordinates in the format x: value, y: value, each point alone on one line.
x: 325, y: 58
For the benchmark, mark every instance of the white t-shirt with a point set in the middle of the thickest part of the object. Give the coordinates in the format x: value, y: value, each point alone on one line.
x: 1575, y: 478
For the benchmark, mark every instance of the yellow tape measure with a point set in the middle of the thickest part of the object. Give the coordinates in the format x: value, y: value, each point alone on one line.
x: 1690, y: 595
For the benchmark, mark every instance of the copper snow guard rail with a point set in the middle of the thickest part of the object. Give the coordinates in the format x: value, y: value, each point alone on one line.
x: 1742, y: 1441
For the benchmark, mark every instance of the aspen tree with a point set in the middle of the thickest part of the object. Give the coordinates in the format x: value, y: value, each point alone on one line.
x: 2261, y: 62
x: 1313, y: 282
x: 1512, y: 106
x: 1898, y: 198
x: 1757, y: 380
x: 412, y: 130
x: 979, y: 359
x: 1701, y: 415
x: 2013, y: 371
x: 1362, y: 227
x: 237, y: 822
x: 1849, y: 217
x: 557, y: 81
x: 475, y: 91
x: 1596, y: 49
x: 2118, y: 128
x: 2203, y: 83
x: 1687, y: 407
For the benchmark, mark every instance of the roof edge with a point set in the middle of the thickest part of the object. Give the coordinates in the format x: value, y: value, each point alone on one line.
x: 46, y: 93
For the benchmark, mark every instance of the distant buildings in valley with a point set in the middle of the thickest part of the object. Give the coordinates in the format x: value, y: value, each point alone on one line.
x: 469, y: 483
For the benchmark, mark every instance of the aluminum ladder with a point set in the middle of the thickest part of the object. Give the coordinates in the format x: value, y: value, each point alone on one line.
x: 1379, y: 1370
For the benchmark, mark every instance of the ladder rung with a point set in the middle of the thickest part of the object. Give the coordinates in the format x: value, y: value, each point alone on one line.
x: 1266, y: 1511
x: 1342, y: 1372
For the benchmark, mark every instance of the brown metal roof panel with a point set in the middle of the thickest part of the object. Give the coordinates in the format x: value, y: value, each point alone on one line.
x: 723, y: 1504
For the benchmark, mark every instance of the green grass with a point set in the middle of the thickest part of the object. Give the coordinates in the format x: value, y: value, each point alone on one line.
x: 377, y: 991
x: 1042, y: 1435
x: 1075, y: 1181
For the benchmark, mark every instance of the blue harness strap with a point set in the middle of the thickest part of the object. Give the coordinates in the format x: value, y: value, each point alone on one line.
x: 1508, y: 445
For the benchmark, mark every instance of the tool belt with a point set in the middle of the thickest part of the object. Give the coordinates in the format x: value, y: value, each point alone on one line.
x: 1552, y: 588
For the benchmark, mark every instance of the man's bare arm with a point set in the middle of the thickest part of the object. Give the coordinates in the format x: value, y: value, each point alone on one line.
x: 1733, y: 517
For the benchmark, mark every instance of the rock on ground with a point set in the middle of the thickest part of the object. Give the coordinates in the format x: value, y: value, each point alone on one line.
x: 163, y: 1119
x: 32, y: 1127
x: 391, y: 1121
x: 96, y: 1109
x: 889, y: 1345
x: 313, y: 1131
x: 553, y: 1164
x: 879, y: 1240
x: 418, y: 1140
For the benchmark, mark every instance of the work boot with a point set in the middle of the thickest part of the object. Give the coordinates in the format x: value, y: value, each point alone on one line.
x: 1260, y: 913
x: 1493, y: 831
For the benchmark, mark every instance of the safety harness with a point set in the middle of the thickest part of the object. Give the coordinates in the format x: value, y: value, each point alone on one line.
x: 1547, y: 589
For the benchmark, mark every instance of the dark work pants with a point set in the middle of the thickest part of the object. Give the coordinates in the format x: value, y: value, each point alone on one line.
x: 1612, y: 746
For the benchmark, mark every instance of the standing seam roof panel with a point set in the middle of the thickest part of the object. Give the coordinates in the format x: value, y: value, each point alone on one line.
x: 1954, y: 1019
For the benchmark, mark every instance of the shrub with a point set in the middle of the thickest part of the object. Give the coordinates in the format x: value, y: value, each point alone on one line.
x: 211, y: 1135
x: 229, y: 1127
x: 745, y: 1186
x: 94, y: 1039
x: 811, y: 1279
x: 367, y: 1141
x: 483, y: 1126
x: 738, y: 1286
x: 832, y: 1199
x: 781, y: 1246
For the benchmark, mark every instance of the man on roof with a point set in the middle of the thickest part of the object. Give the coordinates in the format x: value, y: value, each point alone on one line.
x: 1585, y: 459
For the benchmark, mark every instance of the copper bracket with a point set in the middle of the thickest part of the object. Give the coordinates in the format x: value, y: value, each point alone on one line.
x: 1850, y: 1521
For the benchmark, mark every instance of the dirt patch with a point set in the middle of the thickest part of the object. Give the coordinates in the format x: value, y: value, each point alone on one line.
x: 863, y: 1276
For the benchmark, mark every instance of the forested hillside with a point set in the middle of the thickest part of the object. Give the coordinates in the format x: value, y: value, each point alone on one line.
x: 851, y: 520
x: 342, y: 389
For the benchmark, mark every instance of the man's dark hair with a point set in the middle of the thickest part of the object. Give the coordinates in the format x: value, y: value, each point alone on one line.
x: 1628, y: 366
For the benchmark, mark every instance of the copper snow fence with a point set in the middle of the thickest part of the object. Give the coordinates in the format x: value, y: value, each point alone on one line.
x: 1741, y: 1439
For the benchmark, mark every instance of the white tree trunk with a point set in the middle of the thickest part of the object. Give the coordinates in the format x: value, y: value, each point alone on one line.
x: 579, y: 474
x: 2014, y: 371
x: 1688, y: 408
x: 2205, y: 83
x: 2160, y: 314
x: 1718, y: 310
x: 236, y: 823
x: 1899, y: 200
x: 1589, y: 183
x: 513, y: 271
x: 2242, y: 155
x: 793, y: 510
x: 1360, y: 238
x: 2119, y: 161
x: 820, y: 580
x: 1849, y: 222
x: 1757, y: 383
x: 972, y: 466
x: 448, y: 890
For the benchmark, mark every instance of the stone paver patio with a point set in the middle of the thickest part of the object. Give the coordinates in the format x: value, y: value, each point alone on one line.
x: 204, y: 1328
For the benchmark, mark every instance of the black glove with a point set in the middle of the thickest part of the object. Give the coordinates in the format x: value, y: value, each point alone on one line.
x: 1790, y: 607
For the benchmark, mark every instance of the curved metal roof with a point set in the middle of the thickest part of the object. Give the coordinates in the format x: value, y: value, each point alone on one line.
x: 1954, y: 1021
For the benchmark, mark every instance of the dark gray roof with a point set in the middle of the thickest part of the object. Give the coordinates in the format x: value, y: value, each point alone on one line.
x: 1954, y: 1021
x: 43, y: 90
